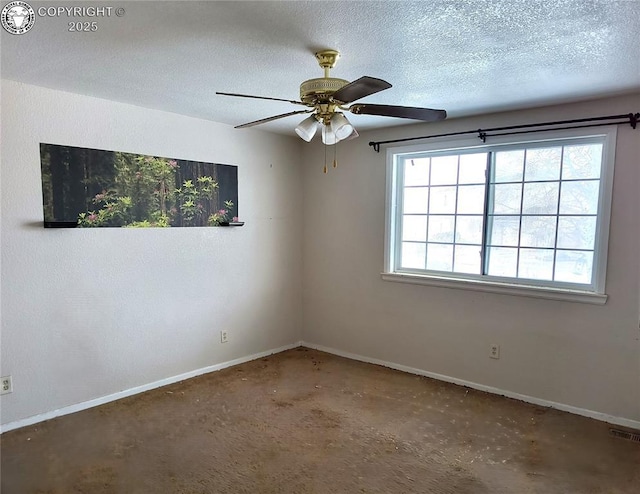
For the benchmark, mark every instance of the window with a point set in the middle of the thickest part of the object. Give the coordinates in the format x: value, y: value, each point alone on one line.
x: 528, y: 215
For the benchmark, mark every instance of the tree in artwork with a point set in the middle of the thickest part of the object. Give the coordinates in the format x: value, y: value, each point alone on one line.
x: 114, y: 189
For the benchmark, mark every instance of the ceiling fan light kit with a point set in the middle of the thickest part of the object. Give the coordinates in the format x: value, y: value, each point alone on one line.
x: 328, y: 96
x: 340, y: 126
x: 353, y: 135
x: 307, y: 128
x: 328, y: 136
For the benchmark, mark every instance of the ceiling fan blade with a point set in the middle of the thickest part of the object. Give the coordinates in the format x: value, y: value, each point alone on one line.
x: 261, y: 97
x: 360, y: 88
x: 412, y: 112
x: 269, y: 119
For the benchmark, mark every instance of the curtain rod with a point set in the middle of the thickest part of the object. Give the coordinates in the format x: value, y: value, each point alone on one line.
x: 630, y: 118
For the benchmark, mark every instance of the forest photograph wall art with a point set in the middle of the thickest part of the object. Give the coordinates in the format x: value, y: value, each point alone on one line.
x: 95, y: 188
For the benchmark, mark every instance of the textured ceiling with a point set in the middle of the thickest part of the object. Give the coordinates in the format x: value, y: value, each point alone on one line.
x: 464, y: 56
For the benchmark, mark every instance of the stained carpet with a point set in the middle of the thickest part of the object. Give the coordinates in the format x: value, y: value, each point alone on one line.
x: 304, y: 421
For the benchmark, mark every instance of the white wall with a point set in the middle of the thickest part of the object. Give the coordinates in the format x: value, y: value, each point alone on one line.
x: 580, y: 355
x: 90, y: 312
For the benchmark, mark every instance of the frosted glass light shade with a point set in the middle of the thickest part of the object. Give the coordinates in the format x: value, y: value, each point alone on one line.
x: 328, y: 136
x: 353, y: 135
x: 307, y: 128
x: 340, y: 126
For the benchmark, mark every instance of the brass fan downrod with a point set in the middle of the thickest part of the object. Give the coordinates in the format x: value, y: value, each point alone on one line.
x: 318, y: 92
x: 327, y: 60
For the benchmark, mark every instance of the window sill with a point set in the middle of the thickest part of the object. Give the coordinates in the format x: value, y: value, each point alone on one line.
x: 502, y: 288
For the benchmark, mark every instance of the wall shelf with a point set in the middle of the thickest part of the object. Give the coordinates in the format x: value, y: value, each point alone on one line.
x: 60, y: 224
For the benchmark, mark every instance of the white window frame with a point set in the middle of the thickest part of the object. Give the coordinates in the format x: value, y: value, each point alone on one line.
x: 594, y: 294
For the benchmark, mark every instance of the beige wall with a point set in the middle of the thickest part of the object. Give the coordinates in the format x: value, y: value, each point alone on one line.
x: 87, y: 313
x: 575, y: 354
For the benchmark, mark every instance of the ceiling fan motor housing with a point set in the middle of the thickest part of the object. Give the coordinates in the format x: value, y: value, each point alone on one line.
x: 320, y: 90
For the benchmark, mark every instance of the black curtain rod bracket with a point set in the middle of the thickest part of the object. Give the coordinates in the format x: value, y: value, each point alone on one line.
x: 629, y: 118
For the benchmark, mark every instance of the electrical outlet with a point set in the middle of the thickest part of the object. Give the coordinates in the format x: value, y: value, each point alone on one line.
x: 494, y: 351
x: 224, y: 336
x: 6, y: 385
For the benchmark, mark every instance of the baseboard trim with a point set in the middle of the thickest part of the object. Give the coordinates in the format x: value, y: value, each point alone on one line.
x: 138, y: 389
x: 611, y: 419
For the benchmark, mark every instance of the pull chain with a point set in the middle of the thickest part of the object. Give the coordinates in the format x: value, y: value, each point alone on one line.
x: 335, y: 155
x: 325, y: 158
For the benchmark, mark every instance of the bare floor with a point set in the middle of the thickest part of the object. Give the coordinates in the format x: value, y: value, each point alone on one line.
x: 307, y: 422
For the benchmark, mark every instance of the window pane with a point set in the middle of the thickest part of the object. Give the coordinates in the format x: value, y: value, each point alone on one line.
x: 540, y: 198
x: 537, y: 219
x: 467, y: 259
x: 414, y: 228
x: 503, y: 230
x: 543, y: 164
x: 506, y: 198
x: 536, y: 264
x: 416, y: 200
x: 416, y: 172
x: 439, y: 257
x: 503, y: 261
x: 509, y: 166
x: 576, y: 232
x: 441, y: 228
x: 574, y: 266
x: 472, y: 168
x: 582, y: 161
x: 471, y: 199
x: 442, y: 200
x: 413, y: 255
x: 469, y: 229
x: 444, y: 170
x: 538, y: 231
x: 580, y: 197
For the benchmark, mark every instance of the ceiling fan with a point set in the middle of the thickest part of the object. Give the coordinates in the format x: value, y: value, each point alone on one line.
x: 327, y: 97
